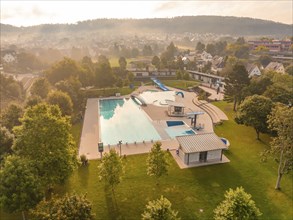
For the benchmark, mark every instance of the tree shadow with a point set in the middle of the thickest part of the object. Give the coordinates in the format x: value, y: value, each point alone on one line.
x: 111, y: 202
x: 83, y: 175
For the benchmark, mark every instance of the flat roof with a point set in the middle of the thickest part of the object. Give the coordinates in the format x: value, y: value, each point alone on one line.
x: 177, y: 104
x: 200, y: 142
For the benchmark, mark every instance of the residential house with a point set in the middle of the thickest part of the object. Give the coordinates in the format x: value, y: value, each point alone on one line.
x: 206, y: 56
x: 252, y: 70
x: 217, y: 64
x: 275, y: 66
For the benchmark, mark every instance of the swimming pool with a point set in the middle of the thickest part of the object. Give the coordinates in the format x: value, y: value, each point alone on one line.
x: 178, y: 128
x: 122, y: 119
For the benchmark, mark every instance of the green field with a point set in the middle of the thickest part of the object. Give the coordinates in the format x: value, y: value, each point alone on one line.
x: 190, y: 190
x: 180, y: 84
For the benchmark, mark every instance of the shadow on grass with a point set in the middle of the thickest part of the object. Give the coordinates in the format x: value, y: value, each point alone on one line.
x: 83, y: 175
x: 111, y: 202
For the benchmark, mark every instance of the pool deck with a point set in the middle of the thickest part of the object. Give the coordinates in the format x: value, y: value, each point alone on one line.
x: 91, y: 135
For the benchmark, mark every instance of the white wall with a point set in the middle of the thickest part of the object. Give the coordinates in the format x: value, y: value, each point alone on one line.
x: 193, y: 157
x: 214, y: 155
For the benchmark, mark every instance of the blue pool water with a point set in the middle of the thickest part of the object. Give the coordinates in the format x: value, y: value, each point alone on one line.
x: 174, y: 123
x: 122, y: 119
x: 178, y: 128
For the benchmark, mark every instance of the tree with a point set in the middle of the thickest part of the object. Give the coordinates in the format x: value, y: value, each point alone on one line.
x: 104, y: 74
x: 254, y: 112
x: 156, y: 62
x: 210, y: 48
x: 200, y: 47
x: 289, y: 69
x: 236, y: 80
x: 69, y: 207
x: 159, y: 209
x: 63, y: 70
x: 237, y: 205
x: 11, y: 115
x: 111, y: 169
x: 61, y: 99
x: 40, y: 88
x: 281, y: 121
x: 278, y: 93
x: 122, y: 63
x: 72, y: 87
x: 147, y: 50
x: 19, y: 186
x: 32, y: 101
x: 44, y: 137
x: 157, y: 164
x: 240, y: 40
x: 6, y: 141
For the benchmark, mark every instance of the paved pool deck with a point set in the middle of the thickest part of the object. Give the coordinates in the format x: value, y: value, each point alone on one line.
x: 91, y: 134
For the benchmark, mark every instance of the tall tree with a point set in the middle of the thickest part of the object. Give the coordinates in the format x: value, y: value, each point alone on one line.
x: 40, y: 87
x: 69, y: 207
x: 236, y: 80
x: 254, y: 112
x: 281, y: 121
x: 278, y: 93
x: 11, y: 115
x: 44, y: 137
x: 200, y: 47
x: 104, y: 73
x: 237, y: 205
x: 63, y: 70
x: 157, y: 164
x: 159, y: 209
x: 122, y: 63
x: 6, y: 141
x: 156, y: 62
x: 61, y: 99
x: 19, y: 185
x: 111, y: 169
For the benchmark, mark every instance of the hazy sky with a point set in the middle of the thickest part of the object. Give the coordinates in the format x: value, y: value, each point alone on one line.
x: 25, y: 13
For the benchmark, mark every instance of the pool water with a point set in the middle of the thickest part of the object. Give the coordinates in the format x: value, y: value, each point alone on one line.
x: 122, y: 119
x: 178, y: 128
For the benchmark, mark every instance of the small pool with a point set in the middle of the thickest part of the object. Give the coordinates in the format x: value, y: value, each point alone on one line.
x: 174, y: 123
x: 122, y: 119
x: 178, y: 128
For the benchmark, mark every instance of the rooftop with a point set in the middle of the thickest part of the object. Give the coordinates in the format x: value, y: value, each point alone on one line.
x: 200, y: 142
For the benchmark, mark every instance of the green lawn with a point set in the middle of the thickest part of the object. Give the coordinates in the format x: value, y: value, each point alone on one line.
x: 192, y: 189
x: 180, y: 84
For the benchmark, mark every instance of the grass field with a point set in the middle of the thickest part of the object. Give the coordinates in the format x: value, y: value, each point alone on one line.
x: 190, y: 190
x: 180, y: 84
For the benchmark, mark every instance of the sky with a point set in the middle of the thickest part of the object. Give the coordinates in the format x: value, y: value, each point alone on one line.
x: 27, y: 13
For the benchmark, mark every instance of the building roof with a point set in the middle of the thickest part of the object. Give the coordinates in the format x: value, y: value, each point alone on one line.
x: 200, y: 143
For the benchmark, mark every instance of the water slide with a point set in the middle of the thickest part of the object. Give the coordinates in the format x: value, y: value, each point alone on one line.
x: 159, y: 84
x: 180, y: 93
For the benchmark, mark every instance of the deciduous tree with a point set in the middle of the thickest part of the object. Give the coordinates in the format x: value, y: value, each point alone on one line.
x: 281, y: 121
x: 69, y: 207
x: 254, y: 112
x: 236, y: 80
x: 6, y: 141
x: 111, y: 169
x: 157, y: 164
x: 237, y: 205
x: 44, y: 137
x: 11, y: 115
x: 159, y: 209
x: 40, y: 88
x: 19, y: 185
x: 61, y: 99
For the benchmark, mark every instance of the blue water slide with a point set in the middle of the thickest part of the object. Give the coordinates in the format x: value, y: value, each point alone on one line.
x: 181, y: 93
x: 159, y: 84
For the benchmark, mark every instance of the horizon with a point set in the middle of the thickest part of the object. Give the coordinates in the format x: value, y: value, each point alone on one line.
x: 32, y: 13
x: 75, y: 23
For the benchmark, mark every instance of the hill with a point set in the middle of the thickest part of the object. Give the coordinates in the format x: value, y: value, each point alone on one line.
x: 194, y: 24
